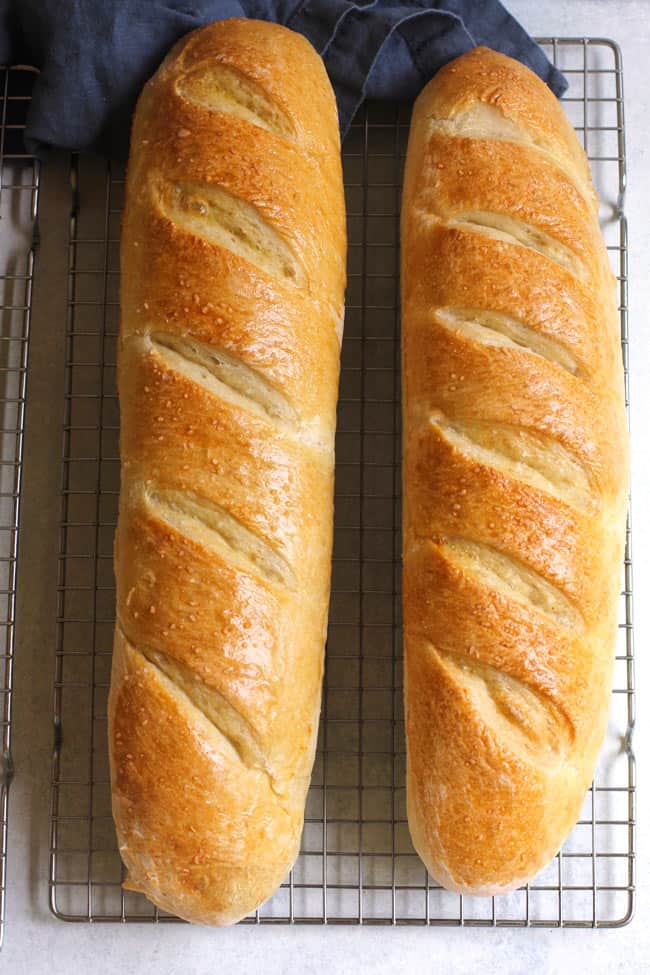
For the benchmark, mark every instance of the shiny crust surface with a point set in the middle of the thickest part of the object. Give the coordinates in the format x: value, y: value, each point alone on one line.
x: 515, y: 474
x: 232, y: 299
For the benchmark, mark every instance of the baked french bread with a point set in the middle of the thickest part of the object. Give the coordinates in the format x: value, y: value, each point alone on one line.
x: 232, y: 299
x: 515, y: 474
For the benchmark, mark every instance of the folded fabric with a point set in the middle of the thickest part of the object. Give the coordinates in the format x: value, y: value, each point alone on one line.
x: 95, y: 55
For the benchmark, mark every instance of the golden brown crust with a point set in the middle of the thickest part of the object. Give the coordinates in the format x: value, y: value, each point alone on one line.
x: 174, y: 805
x: 233, y: 275
x: 515, y: 474
x: 483, y: 77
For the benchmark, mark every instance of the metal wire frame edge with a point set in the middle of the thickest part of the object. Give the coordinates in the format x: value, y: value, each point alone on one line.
x: 6, y: 758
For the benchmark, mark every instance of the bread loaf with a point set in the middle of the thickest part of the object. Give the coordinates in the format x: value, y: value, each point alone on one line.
x: 515, y: 474
x: 232, y: 296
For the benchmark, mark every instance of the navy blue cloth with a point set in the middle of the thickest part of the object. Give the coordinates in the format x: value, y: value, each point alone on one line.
x: 95, y: 55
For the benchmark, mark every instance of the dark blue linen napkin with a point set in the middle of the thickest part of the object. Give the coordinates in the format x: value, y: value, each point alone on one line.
x: 95, y: 55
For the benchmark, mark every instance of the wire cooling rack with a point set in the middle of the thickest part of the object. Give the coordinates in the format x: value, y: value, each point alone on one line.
x: 19, y: 187
x: 357, y: 864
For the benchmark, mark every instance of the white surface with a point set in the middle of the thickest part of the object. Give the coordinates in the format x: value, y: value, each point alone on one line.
x: 36, y: 943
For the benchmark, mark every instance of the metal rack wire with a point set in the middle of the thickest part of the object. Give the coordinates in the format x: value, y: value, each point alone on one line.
x: 357, y: 864
x: 19, y: 189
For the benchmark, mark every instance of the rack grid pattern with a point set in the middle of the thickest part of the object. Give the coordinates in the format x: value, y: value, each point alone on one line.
x: 19, y: 188
x: 357, y: 864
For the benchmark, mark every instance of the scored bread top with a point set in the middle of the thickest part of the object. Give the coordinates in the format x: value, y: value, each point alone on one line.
x: 232, y: 291
x: 515, y: 474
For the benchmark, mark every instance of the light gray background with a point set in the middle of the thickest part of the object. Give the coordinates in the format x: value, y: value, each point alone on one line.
x: 35, y: 942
